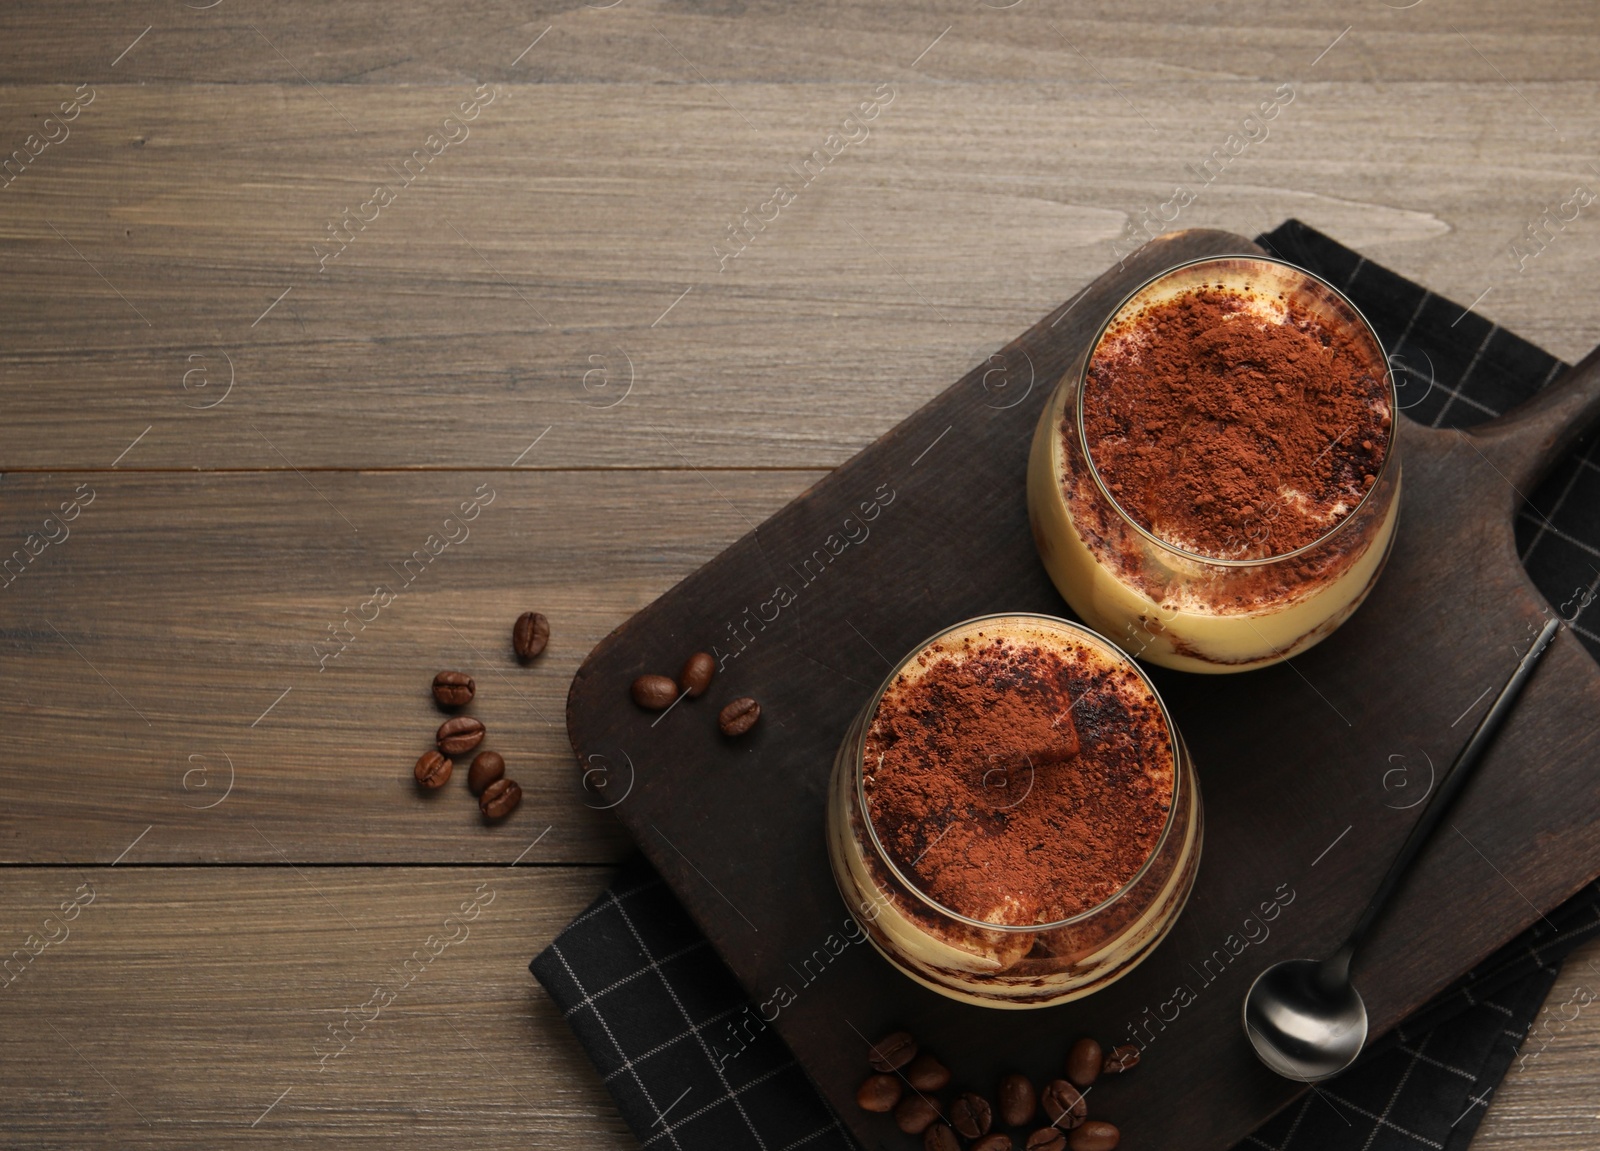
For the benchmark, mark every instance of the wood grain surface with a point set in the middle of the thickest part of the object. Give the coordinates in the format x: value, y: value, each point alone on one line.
x: 205, y: 1006
x: 553, y: 275
x: 164, y: 665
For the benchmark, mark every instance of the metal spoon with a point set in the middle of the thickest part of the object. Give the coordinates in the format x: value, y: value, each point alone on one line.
x: 1303, y: 1017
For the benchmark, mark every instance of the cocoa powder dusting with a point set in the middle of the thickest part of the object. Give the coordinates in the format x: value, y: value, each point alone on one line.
x: 1018, y: 783
x: 1230, y: 435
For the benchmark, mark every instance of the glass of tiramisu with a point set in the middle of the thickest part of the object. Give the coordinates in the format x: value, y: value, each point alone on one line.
x: 1215, y: 483
x: 1013, y: 817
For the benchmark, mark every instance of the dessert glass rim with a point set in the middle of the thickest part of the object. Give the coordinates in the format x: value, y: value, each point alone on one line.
x: 859, y: 768
x: 1257, y: 561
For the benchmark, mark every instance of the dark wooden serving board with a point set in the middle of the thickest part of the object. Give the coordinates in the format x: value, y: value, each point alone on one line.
x: 927, y: 527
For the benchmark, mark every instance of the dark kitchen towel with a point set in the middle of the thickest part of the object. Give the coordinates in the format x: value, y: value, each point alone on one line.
x: 642, y: 988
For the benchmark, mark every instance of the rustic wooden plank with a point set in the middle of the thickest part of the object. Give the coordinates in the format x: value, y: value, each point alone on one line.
x: 594, y: 208
x: 1547, y: 1098
x: 369, y: 42
x: 148, y: 650
x: 177, y: 1004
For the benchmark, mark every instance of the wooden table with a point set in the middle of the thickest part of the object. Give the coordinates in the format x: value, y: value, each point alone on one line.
x: 531, y: 372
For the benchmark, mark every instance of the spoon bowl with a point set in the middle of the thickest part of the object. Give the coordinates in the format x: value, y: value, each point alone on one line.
x: 1304, y: 1019
x: 1304, y: 1026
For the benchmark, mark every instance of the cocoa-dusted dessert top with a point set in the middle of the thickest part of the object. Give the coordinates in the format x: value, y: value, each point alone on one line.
x: 1016, y: 777
x: 1235, y: 424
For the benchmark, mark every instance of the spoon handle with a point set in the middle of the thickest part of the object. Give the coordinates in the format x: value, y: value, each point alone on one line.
x: 1336, y: 969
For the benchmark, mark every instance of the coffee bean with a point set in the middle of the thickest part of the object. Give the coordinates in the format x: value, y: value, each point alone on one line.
x: 1063, y: 1104
x: 739, y: 716
x: 940, y: 1138
x: 1047, y: 1139
x: 878, y: 1093
x: 529, y: 635
x: 433, y: 770
x: 500, y: 799
x: 1083, y: 1062
x: 915, y: 1113
x: 1018, y: 1100
x: 926, y: 1073
x: 460, y: 735
x: 486, y: 768
x: 1120, y: 1059
x: 655, y: 692
x: 1094, y: 1135
x: 892, y: 1052
x: 999, y: 1141
x: 971, y: 1115
x: 696, y: 674
x: 453, y: 689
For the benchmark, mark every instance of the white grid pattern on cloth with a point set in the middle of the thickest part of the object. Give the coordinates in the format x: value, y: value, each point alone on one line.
x: 705, y: 1047
x: 1381, y: 1120
x: 1457, y: 396
x: 732, y: 1095
x: 1405, y: 334
x: 1389, y: 1127
x: 1461, y: 384
x: 1381, y: 1123
x: 1450, y: 1067
x: 600, y: 905
x: 655, y: 965
x: 555, y: 949
x: 1544, y: 520
x: 1544, y: 527
x: 611, y: 901
x: 725, y: 1013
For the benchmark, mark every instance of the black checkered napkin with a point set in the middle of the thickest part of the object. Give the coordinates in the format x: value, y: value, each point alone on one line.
x: 1429, y: 1082
x: 642, y: 988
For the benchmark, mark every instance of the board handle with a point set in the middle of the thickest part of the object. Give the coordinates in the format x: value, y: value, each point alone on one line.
x: 1527, y: 441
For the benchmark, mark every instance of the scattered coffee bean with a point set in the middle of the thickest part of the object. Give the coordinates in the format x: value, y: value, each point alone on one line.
x: 926, y: 1073
x: 433, y: 770
x: 460, y: 735
x: 486, y: 768
x: 1019, y: 1102
x: 739, y: 716
x: 971, y: 1115
x: 1047, y: 1139
x: 1063, y: 1104
x: 1094, y: 1135
x: 1120, y: 1059
x: 453, y: 689
x: 1083, y: 1062
x: 940, y: 1137
x: 878, y: 1093
x: 654, y: 692
x: 999, y: 1141
x: 696, y: 674
x: 500, y: 799
x: 915, y: 1113
x: 892, y: 1052
x: 529, y: 635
